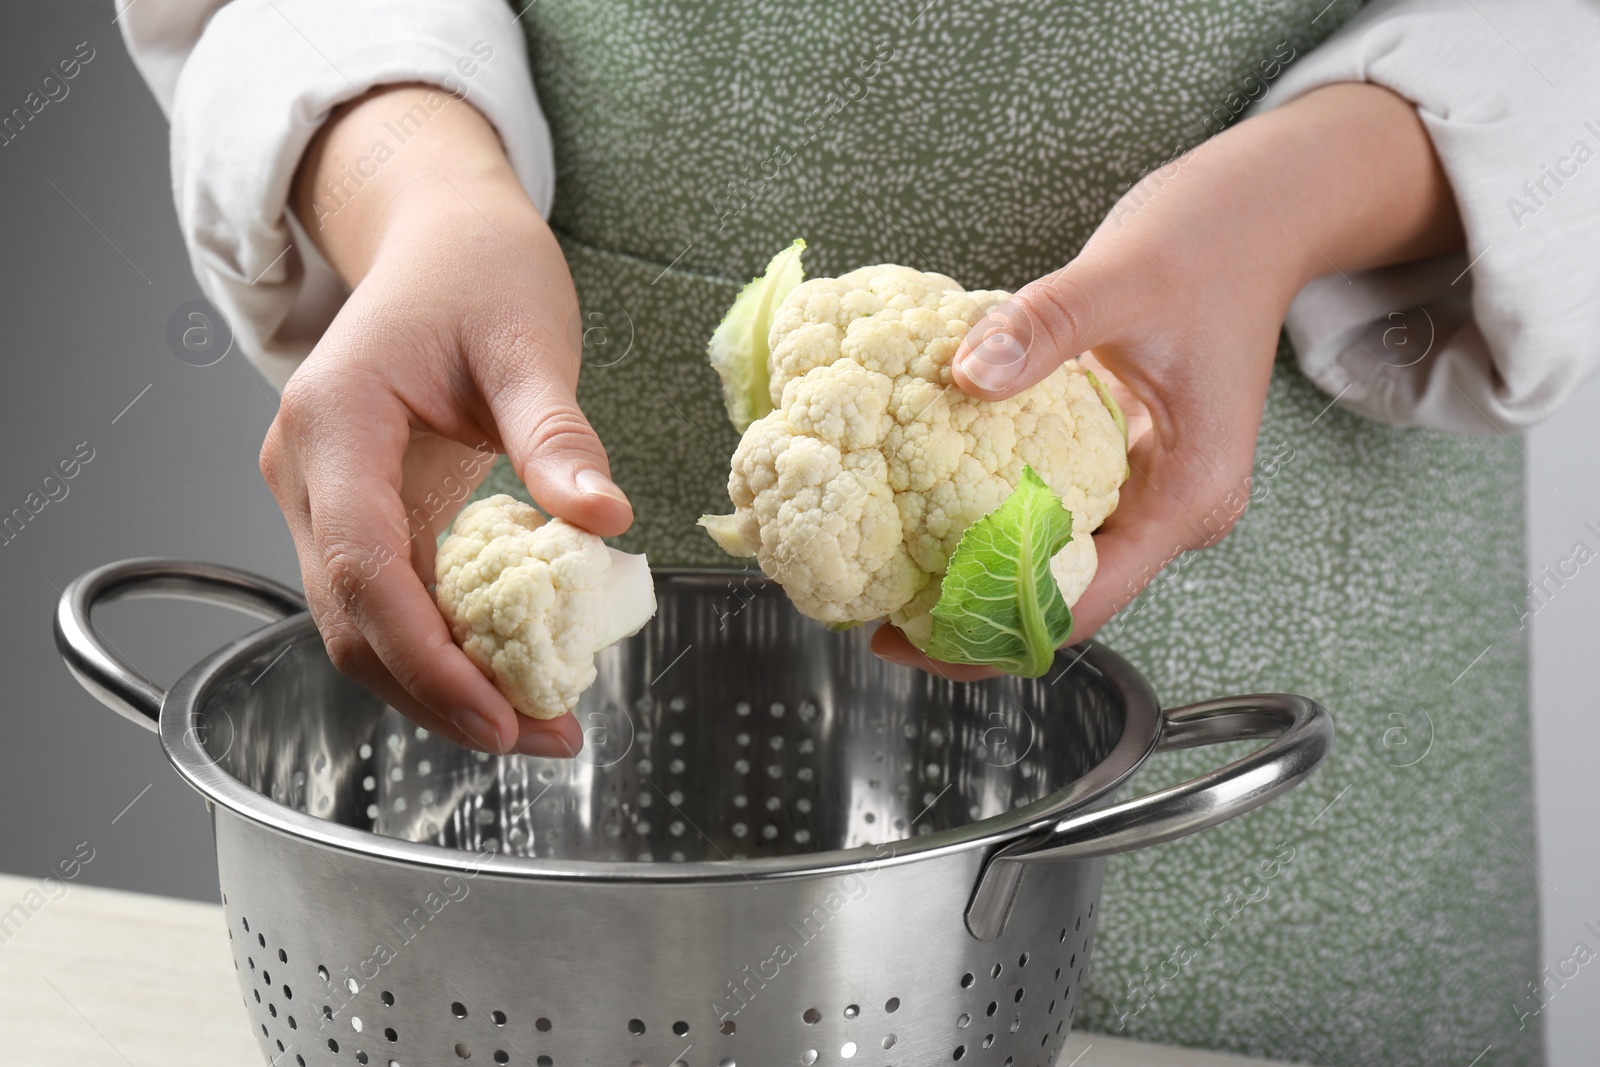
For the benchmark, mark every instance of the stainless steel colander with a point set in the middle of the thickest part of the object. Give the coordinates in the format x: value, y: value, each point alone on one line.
x: 774, y: 848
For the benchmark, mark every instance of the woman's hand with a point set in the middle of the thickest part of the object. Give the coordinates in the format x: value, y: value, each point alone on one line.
x: 460, y: 339
x: 1180, y: 295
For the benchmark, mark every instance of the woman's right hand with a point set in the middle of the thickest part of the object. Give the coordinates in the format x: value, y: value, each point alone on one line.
x: 460, y: 337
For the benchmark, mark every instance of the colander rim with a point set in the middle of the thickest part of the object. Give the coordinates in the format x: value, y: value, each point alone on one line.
x: 180, y: 740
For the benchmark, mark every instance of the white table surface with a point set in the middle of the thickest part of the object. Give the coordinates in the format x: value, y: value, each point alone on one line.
x: 104, y: 978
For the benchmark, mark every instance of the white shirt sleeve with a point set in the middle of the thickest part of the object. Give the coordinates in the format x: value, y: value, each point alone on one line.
x: 247, y: 83
x: 1496, y: 338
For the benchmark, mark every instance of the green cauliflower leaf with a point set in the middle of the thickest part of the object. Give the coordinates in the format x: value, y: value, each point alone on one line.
x: 738, y: 348
x: 999, y: 604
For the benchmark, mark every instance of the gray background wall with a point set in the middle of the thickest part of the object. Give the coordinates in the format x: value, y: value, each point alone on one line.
x: 91, y: 268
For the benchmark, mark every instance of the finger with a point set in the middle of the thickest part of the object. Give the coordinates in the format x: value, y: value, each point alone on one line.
x: 558, y: 738
x: 280, y: 466
x: 554, y: 738
x: 281, y: 469
x: 1130, y: 558
x: 551, y: 445
x: 1152, y: 526
x: 892, y: 645
x: 352, y: 472
x: 1041, y: 326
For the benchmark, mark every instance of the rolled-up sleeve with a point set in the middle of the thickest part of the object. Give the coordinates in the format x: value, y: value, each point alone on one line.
x: 1497, y: 337
x: 247, y: 83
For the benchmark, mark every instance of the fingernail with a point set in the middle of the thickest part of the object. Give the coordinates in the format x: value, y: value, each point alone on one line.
x: 592, y: 481
x: 550, y: 746
x: 479, y: 729
x: 995, y: 362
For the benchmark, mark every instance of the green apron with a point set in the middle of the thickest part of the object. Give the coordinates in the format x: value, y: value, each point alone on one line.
x: 1386, y: 912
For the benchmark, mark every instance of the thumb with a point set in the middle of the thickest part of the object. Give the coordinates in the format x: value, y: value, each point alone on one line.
x: 557, y: 454
x: 1042, y: 325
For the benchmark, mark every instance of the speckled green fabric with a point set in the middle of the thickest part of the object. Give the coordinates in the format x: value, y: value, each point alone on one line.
x: 1384, y: 913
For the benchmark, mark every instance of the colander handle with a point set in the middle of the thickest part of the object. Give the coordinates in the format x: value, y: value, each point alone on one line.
x: 101, y: 670
x: 1303, y: 735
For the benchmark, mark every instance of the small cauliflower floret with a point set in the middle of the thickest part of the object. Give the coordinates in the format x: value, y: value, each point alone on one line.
x: 531, y: 602
x: 863, y: 466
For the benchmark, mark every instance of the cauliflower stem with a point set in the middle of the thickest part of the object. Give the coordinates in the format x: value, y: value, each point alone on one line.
x: 738, y: 348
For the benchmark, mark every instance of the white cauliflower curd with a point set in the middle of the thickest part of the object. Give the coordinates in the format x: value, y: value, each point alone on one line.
x: 531, y: 602
x: 863, y: 466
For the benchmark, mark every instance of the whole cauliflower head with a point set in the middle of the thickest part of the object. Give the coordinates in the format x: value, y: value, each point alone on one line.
x: 531, y: 602
x: 857, y: 485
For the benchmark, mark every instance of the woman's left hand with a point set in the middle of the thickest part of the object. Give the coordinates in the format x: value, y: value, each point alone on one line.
x: 1179, y: 297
